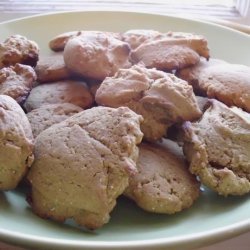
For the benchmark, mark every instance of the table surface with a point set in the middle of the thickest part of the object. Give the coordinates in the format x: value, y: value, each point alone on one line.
x: 241, y: 242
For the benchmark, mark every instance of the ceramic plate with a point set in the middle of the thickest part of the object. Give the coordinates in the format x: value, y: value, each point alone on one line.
x: 212, y: 218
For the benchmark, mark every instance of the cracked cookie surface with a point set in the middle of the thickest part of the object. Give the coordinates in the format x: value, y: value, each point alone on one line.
x: 163, y: 183
x: 18, y: 49
x: 47, y: 115
x: 17, y: 81
x: 174, y: 50
x: 229, y: 83
x: 16, y: 143
x: 218, y: 147
x: 83, y: 164
x: 161, y: 98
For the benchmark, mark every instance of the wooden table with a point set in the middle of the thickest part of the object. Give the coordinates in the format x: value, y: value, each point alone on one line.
x: 241, y: 242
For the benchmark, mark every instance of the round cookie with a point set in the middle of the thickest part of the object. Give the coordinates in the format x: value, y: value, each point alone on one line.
x: 161, y: 98
x: 83, y: 164
x: 16, y: 143
x: 163, y: 183
x: 217, y: 147
x: 68, y: 91
x: 17, y: 81
x: 51, y: 69
x: 229, y: 83
x: 171, y: 52
x: 18, y: 49
x: 96, y: 55
x: 47, y: 115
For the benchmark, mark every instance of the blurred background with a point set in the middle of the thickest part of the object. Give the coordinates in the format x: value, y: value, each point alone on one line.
x: 236, y: 11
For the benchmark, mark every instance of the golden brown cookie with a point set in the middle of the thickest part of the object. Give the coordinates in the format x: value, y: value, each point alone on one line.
x: 218, y: 147
x: 171, y: 52
x: 47, y: 115
x: 17, y: 81
x: 68, y: 91
x: 229, y: 83
x: 16, y: 143
x: 51, y: 69
x: 161, y: 98
x: 18, y: 49
x: 83, y: 164
x: 163, y: 183
x: 96, y: 55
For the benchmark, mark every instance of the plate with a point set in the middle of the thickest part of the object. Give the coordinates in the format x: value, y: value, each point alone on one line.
x: 211, y: 219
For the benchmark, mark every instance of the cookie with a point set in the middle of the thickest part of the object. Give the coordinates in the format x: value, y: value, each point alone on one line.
x: 96, y: 55
x: 229, y: 83
x: 136, y: 37
x: 68, y: 91
x: 16, y: 143
x: 171, y: 52
x: 51, y: 69
x: 217, y: 147
x: 18, y: 49
x: 58, y: 42
x: 197, y: 42
x: 17, y: 81
x: 161, y: 98
x: 47, y: 115
x: 163, y: 183
x: 83, y: 164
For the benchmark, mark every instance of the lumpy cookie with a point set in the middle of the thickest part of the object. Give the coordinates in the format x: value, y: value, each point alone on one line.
x: 161, y: 98
x: 163, y: 183
x: 18, y: 49
x: 96, y: 55
x: 83, y: 164
x: 17, y: 81
x: 171, y: 52
x: 47, y: 115
x: 58, y: 42
x: 68, y: 91
x: 218, y: 147
x: 51, y: 69
x: 16, y: 143
x: 229, y: 83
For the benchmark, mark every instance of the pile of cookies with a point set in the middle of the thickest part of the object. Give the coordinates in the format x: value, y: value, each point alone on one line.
x: 144, y: 114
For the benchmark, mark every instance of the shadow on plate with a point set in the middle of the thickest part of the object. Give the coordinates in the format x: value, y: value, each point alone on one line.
x: 126, y: 213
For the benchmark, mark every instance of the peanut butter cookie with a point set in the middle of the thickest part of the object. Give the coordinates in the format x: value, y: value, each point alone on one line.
x: 218, y: 147
x: 83, y: 164
x: 16, y: 143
